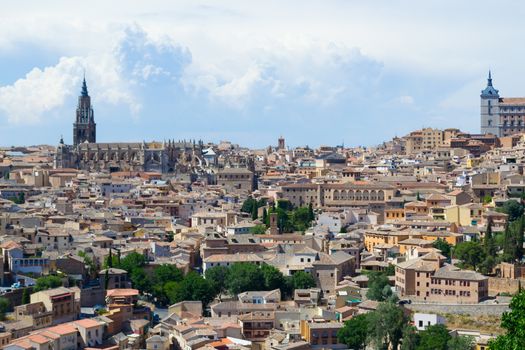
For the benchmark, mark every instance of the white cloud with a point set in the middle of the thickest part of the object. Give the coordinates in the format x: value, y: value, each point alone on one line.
x: 32, y: 99
x: 40, y: 91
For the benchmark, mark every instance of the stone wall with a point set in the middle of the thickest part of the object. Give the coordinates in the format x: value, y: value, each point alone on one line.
x: 504, y: 285
x: 460, y: 309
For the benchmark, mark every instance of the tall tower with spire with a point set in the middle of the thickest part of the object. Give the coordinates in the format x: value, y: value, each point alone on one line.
x: 490, y: 118
x: 84, y: 128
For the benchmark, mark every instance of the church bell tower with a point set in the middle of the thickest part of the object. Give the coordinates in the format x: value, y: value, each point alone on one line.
x: 84, y: 128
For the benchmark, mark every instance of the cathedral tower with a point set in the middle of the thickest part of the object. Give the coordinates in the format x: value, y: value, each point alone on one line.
x: 84, y: 128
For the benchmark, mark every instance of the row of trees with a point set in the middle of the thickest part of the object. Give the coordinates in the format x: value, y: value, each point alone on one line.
x: 168, y: 285
x: 389, y: 328
x: 242, y: 277
x: 289, y: 219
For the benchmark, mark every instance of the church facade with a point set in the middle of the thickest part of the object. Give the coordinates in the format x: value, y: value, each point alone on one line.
x: 501, y: 116
x: 87, y: 154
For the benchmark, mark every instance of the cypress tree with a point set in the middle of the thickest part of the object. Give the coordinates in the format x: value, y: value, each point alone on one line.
x: 26, y: 296
x: 519, y: 238
x: 489, y: 242
x: 311, y: 215
x: 509, y: 243
x: 110, y: 259
x: 106, y: 279
x: 264, y: 216
x: 255, y: 209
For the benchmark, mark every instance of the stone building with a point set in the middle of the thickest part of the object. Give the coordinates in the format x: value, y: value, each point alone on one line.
x: 87, y: 154
x: 501, y: 116
x: 337, y: 195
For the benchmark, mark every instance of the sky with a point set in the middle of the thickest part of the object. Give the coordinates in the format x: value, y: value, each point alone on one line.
x: 316, y: 72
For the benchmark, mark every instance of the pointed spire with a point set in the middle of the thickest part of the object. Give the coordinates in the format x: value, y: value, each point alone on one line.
x: 490, y: 91
x: 84, y: 91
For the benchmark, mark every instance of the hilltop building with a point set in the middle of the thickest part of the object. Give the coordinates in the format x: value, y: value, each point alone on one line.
x: 501, y: 116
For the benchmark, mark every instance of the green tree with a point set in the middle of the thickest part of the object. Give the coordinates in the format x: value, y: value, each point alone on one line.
x: 471, y: 253
x: 132, y: 261
x: 192, y: 287
x: 410, y: 338
x: 514, y: 322
x: 264, y: 216
x: 378, y: 286
x: 140, y: 280
x: 311, y: 214
x: 519, y: 237
x: 21, y: 198
x: 301, y: 219
x: 106, y: 279
x: 248, y: 204
x: 110, y: 259
x: 509, y: 243
x: 460, y: 343
x: 354, y: 332
x: 244, y: 277
x: 435, y: 337
x: 47, y: 282
x: 258, y: 229
x: 255, y: 212
x: 4, y: 307
x: 273, y: 278
x: 487, y: 266
x: 386, y: 326
x: 487, y: 199
x: 167, y: 272
x: 443, y: 246
x: 302, y: 280
x: 489, y: 243
x: 217, y: 276
x: 284, y: 204
x: 26, y: 296
x: 513, y: 209
x: 390, y: 270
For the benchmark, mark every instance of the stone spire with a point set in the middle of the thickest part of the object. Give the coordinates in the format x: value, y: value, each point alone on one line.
x: 84, y: 91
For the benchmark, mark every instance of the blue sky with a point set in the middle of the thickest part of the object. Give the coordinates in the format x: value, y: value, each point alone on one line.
x: 317, y: 72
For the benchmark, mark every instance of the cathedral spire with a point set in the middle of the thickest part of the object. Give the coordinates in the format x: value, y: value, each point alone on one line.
x: 489, y: 80
x: 84, y: 91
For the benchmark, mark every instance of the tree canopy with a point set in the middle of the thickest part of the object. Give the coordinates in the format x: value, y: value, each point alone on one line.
x: 354, y: 332
x: 378, y: 286
x: 514, y: 323
x: 513, y: 209
x: 47, y: 282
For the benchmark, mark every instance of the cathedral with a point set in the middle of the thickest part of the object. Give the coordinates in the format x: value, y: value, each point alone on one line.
x: 87, y: 154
